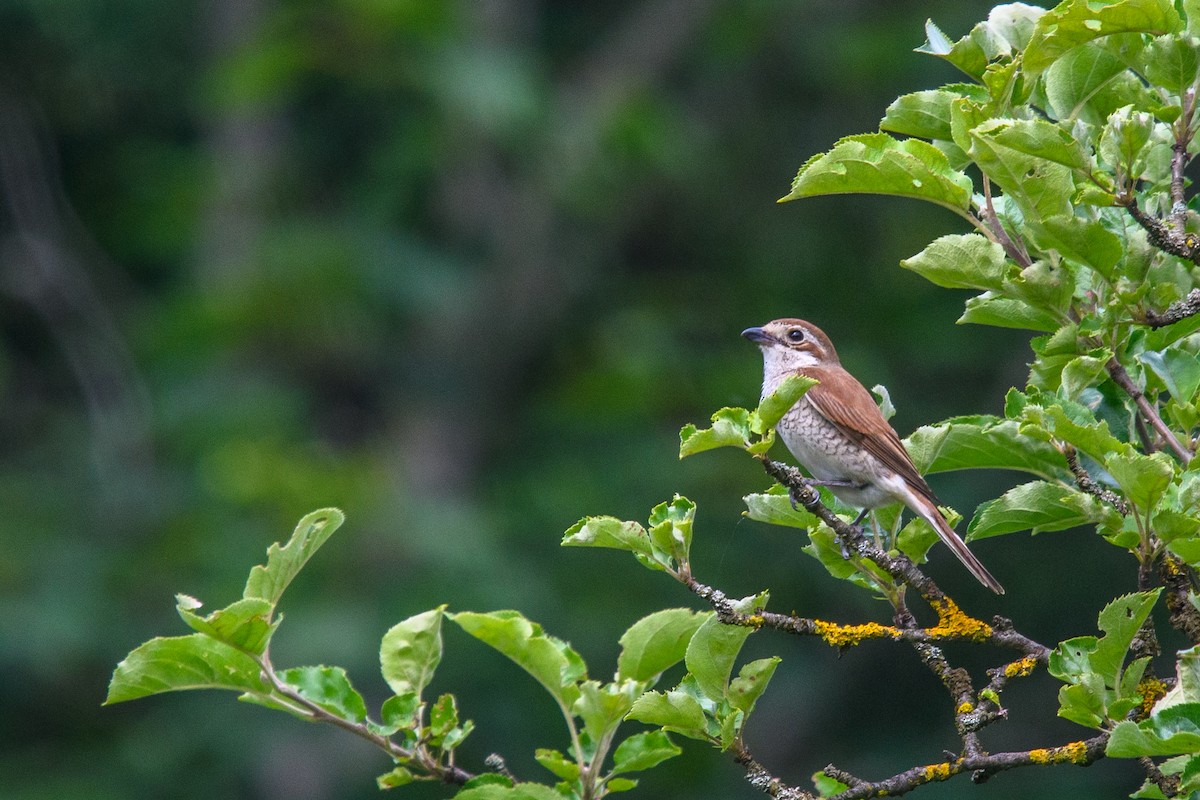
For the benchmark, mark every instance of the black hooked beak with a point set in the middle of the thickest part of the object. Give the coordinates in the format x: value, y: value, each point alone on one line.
x: 758, y: 336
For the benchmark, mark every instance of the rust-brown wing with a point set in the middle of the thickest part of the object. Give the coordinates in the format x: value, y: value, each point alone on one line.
x: 845, y: 402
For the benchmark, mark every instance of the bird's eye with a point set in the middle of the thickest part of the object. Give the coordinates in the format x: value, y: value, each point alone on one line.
x: 795, y: 335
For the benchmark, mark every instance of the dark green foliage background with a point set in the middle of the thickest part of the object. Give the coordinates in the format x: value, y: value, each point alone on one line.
x: 462, y: 270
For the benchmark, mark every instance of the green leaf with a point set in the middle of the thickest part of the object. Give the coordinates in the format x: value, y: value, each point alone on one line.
x: 1041, y: 139
x: 1172, y: 62
x: 710, y: 655
x: 498, y: 791
x: 751, y: 682
x: 603, y: 707
x: 410, y: 652
x: 990, y: 308
x: 968, y: 261
x: 1040, y: 188
x: 1082, y: 372
x: 1142, y: 478
x: 643, y: 751
x: 1132, y: 740
x: 611, y: 532
x: 671, y: 528
x: 1075, y: 78
x: 878, y: 164
x: 399, y: 776
x: 657, y: 642
x: 268, y: 582
x: 549, y: 660
x: 675, y: 710
x: 982, y: 442
x: 1120, y: 621
x: 776, y: 509
x: 1125, y: 140
x: 730, y: 428
x: 557, y: 763
x: 1076, y: 22
x: 1036, y: 506
x: 183, y: 662
x: 397, y: 713
x: 1084, y: 242
x: 1178, y: 369
x: 328, y: 687
x: 245, y: 624
x: 779, y: 402
x: 1045, y: 286
x: 925, y: 114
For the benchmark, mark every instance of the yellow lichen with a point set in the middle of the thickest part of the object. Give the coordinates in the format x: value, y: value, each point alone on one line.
x: 965, y: 708
x: 1151, y: 689
x: 937, y: 772
x: 849, y: 635
x: 1020, y: 668
x: 954, y: 624
x: 756, y: 620
x: 1039, y: 756
x: 1075, y: 752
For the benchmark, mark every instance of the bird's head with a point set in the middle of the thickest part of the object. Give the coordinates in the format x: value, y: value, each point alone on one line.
x: 792, y: 344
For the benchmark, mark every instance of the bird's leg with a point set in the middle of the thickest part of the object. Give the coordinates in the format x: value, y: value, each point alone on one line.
x: 857, y: 522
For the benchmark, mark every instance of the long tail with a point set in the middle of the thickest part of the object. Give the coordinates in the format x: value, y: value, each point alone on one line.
x: 928, y: 511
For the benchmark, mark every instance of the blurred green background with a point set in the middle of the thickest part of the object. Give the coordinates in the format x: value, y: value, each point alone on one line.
x: 462, y: 269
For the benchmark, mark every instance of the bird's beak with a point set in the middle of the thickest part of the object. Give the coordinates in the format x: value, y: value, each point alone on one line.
x: 757, y: 335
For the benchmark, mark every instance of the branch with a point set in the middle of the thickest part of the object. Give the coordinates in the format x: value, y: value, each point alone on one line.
x: 981, y: 768
x: 1180, y: 309
x: 1178, y: 579
x: 1088, y: 484
x: 1121, y: 378
x: 952, y: 625
x: 1164, y: 237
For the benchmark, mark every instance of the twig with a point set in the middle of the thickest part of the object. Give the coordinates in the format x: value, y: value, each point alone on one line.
x: 1088, y: 484
x: 1180, y: 309
x: 1121, y: 378
x: 1178, y: 579
x: 758, y: 777
x: 1167, y: 239
x: 1168, y: 784
x: 1015, y: 250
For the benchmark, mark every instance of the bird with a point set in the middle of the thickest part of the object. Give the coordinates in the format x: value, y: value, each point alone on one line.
x: 837, y: 433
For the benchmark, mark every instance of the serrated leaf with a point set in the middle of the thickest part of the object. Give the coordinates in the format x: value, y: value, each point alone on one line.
x: 611, y: 532
x: 779, y: 402
x: 1131, y: 740
x: 730, y: 428
x: 710, y: 655
x: 1040, y: 188
x: 1076, y: 77
x: 674, y: 710
x: 990, y: 308
x: 400, y: 776
x: 557, y: 763
x: 549, y: 660
x: 878, y: 164
x: 1036, y: 506
x: 1083, y: 241
x: 776, y: 509
x: 1082, y: 372
x: 1172, y: 62
x: 968, y: 261
x: 328, y: 687
x: 169, y: 664
x: 671, y: 528
x: 1075, y: 22
x: 411, y: 651
x: 1142, y: 478
x: 751, y: 682
x: 269, y: 581
x: 1041, y: 139
x: 1178, y: 369
x: 657, y: 642
x: 643, y: 751
x: 925, y: 114
x: 982, y: 442
x: 245, y: 624
x: 603, y: 707
x: 1120, y: 621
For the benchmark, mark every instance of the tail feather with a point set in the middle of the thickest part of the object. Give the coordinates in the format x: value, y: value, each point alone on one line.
x: 929, y: 512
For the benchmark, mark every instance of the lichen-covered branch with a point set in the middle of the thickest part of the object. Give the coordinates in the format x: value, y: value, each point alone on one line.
x: 1088, y: 484
x: 1178, y: 578
x: 1180, y: 309
x: 1164, y: 237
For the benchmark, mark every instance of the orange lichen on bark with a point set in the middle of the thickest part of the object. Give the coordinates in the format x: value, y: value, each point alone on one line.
x: 1073, y: 753
x: 1020, y: 668
x: 937, y: 772
x: 954, y: 624
x: 1151, y: 690
x: 849, y: 635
